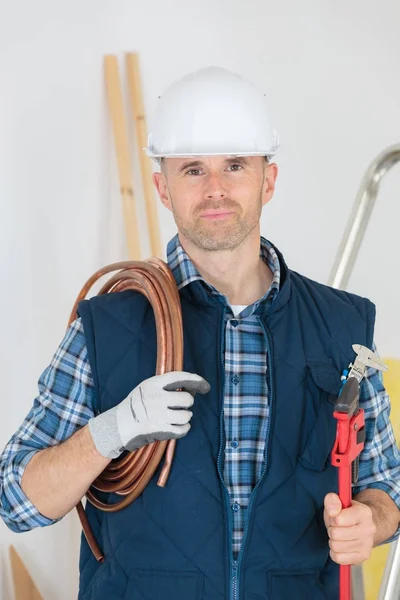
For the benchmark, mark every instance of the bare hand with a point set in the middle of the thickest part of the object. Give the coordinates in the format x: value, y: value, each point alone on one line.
x: 351, y: 530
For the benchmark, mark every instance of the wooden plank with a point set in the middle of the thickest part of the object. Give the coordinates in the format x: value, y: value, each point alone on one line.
x: 116, y: 106
x: 138, y: 113
x: 24, y: 586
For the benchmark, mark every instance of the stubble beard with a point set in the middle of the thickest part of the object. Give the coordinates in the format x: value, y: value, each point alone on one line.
x: 219, y: 235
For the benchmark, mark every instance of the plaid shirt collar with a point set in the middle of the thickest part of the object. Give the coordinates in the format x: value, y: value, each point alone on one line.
x: 185, y: 272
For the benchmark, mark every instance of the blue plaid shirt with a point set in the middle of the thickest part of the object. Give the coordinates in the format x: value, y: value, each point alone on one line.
x: 66, y: 402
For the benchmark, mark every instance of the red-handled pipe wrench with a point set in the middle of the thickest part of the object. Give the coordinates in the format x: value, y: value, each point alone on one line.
x: 350, y: 437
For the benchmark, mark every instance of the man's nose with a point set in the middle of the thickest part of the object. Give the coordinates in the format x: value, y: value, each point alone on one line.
x: 215, y: 188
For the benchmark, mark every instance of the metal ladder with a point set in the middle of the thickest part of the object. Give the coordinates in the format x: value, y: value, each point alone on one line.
x: 339, y: 278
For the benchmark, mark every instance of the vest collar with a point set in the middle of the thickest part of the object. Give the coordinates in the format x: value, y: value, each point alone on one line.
x: 196, y: 292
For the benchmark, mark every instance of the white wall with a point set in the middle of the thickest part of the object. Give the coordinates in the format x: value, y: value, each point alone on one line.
x: 330, y: 70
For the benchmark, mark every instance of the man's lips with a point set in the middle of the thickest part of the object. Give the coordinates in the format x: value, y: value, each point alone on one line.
x: 216, y: 214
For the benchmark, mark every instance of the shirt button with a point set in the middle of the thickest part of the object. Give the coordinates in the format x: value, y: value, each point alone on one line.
x: 235, y: 444
x: 235, y: 506
x: 235, y: 379
x: 234, y: 323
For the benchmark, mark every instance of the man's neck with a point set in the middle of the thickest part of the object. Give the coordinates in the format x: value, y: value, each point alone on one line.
x: 241, y: 275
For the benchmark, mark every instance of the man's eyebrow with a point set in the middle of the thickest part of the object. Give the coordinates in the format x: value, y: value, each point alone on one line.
x: 198, y: 163
x: 237, y: 159
x: 191, y: 164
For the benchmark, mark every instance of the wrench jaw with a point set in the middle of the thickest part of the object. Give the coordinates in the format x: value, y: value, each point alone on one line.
x: 365, y: 358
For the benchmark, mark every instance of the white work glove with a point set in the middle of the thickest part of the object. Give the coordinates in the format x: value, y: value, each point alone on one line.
x: 154, y: 410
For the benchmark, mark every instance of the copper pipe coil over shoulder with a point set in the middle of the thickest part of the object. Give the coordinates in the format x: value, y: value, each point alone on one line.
x: 128, y: 476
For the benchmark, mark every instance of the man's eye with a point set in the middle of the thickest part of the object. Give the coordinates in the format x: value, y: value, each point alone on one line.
x: 193, y: 172
x: 235, y: 167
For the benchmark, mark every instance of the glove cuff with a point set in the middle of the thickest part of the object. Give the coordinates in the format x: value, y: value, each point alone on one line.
x: 105, y: 434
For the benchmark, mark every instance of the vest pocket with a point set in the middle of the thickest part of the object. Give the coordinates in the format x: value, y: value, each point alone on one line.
x: 164, y: 585
x: 302, y: 585
x: 317, y: 453
x: 323, y: 385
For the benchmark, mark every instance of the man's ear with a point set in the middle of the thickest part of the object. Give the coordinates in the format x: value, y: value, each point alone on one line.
x: 271, y: 173
x: 161, y: 186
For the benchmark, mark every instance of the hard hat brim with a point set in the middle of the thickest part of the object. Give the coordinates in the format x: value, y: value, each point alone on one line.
x: 152, y: 154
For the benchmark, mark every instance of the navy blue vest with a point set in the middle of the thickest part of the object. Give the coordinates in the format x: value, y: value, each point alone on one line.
x: 174, y: 543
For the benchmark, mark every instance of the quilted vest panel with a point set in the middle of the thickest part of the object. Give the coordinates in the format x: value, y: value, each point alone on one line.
x: 174, y: 542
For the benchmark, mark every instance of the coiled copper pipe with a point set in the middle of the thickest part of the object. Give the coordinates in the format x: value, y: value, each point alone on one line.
x: 128, y: 476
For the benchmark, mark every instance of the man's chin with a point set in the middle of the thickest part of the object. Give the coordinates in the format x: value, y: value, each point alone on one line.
x: 217, y: 238
x: 217, y: 244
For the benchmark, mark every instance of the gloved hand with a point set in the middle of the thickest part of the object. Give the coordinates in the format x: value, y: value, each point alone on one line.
x: 152, y: 411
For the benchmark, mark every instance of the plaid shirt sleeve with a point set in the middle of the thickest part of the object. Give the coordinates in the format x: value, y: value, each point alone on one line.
x: 380, y: 459
x: 65, y: 404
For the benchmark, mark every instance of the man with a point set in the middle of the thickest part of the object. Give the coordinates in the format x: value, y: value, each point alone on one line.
x: 250, y: 509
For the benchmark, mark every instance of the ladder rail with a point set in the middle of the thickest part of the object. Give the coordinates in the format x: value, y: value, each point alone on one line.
x: 339, y: 278
x: 360, y: 216
x: 389, y: 589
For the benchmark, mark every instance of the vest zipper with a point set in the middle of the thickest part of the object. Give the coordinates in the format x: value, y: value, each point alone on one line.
x: 237, y: 563
x: 234, y: 579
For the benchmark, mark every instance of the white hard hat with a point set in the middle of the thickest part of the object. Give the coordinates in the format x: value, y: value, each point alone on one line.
x: 212, y: 112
